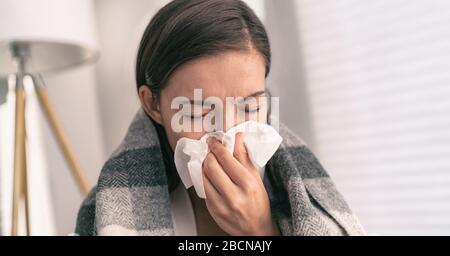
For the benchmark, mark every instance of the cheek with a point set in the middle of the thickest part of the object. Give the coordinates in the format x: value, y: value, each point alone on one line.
x: 173, y: 137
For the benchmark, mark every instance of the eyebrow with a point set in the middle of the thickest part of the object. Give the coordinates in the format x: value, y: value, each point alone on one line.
x: 193, y: 102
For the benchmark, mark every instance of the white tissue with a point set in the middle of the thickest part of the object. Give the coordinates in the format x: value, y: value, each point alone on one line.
x: 261, y: 141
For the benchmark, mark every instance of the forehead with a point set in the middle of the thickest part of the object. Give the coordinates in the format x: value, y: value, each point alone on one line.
x: 233, y: 73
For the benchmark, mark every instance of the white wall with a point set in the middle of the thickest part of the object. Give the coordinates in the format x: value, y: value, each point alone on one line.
x: 287, y: 78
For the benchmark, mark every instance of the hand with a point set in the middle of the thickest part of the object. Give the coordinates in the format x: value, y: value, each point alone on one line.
x: 235, y: 194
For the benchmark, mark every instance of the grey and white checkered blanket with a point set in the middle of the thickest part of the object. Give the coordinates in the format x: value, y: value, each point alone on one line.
x: 132, y: 196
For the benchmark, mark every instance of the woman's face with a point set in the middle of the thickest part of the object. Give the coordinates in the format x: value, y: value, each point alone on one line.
x: 237, y: 74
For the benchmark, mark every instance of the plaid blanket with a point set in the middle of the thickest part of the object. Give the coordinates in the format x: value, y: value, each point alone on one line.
x: 132, y: 196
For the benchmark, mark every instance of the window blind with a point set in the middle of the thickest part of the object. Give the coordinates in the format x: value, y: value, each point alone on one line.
x: 378, y: 80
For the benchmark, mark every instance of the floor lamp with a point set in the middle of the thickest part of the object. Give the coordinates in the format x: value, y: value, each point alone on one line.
x: 41, y: 37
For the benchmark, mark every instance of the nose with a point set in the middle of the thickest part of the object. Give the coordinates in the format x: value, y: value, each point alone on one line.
x: 232, y: 117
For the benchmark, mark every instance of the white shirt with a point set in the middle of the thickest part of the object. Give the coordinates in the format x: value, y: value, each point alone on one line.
x: 183, y: 217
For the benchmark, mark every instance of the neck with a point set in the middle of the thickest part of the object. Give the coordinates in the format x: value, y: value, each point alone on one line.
x: 206, y: 225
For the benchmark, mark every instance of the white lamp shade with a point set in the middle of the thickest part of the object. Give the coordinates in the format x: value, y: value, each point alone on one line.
x: 60, y: 33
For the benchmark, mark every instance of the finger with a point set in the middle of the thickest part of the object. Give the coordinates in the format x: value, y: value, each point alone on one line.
x: 240, y: 152
x: 234, y: 169
x: 218, y: 177
x: 214, y: 200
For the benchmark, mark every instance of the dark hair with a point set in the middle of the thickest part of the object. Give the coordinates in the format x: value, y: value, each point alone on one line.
x: 187, y: 29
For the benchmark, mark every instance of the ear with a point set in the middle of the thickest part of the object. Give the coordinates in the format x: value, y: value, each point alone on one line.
x: 150, y: 104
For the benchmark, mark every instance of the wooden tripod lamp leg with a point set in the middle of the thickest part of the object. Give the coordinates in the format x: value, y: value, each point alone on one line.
x: 25, y: 191
x: 19, y: 157
x: 62, y: 139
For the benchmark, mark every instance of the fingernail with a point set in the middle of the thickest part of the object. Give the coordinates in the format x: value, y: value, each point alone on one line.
x: 209, y: 141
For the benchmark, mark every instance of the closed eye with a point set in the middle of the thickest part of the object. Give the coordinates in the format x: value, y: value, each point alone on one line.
x: 195, y: 116
x: 252, y: 110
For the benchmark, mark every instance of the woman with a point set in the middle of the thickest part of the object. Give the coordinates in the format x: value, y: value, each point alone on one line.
x: 220, y: 47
